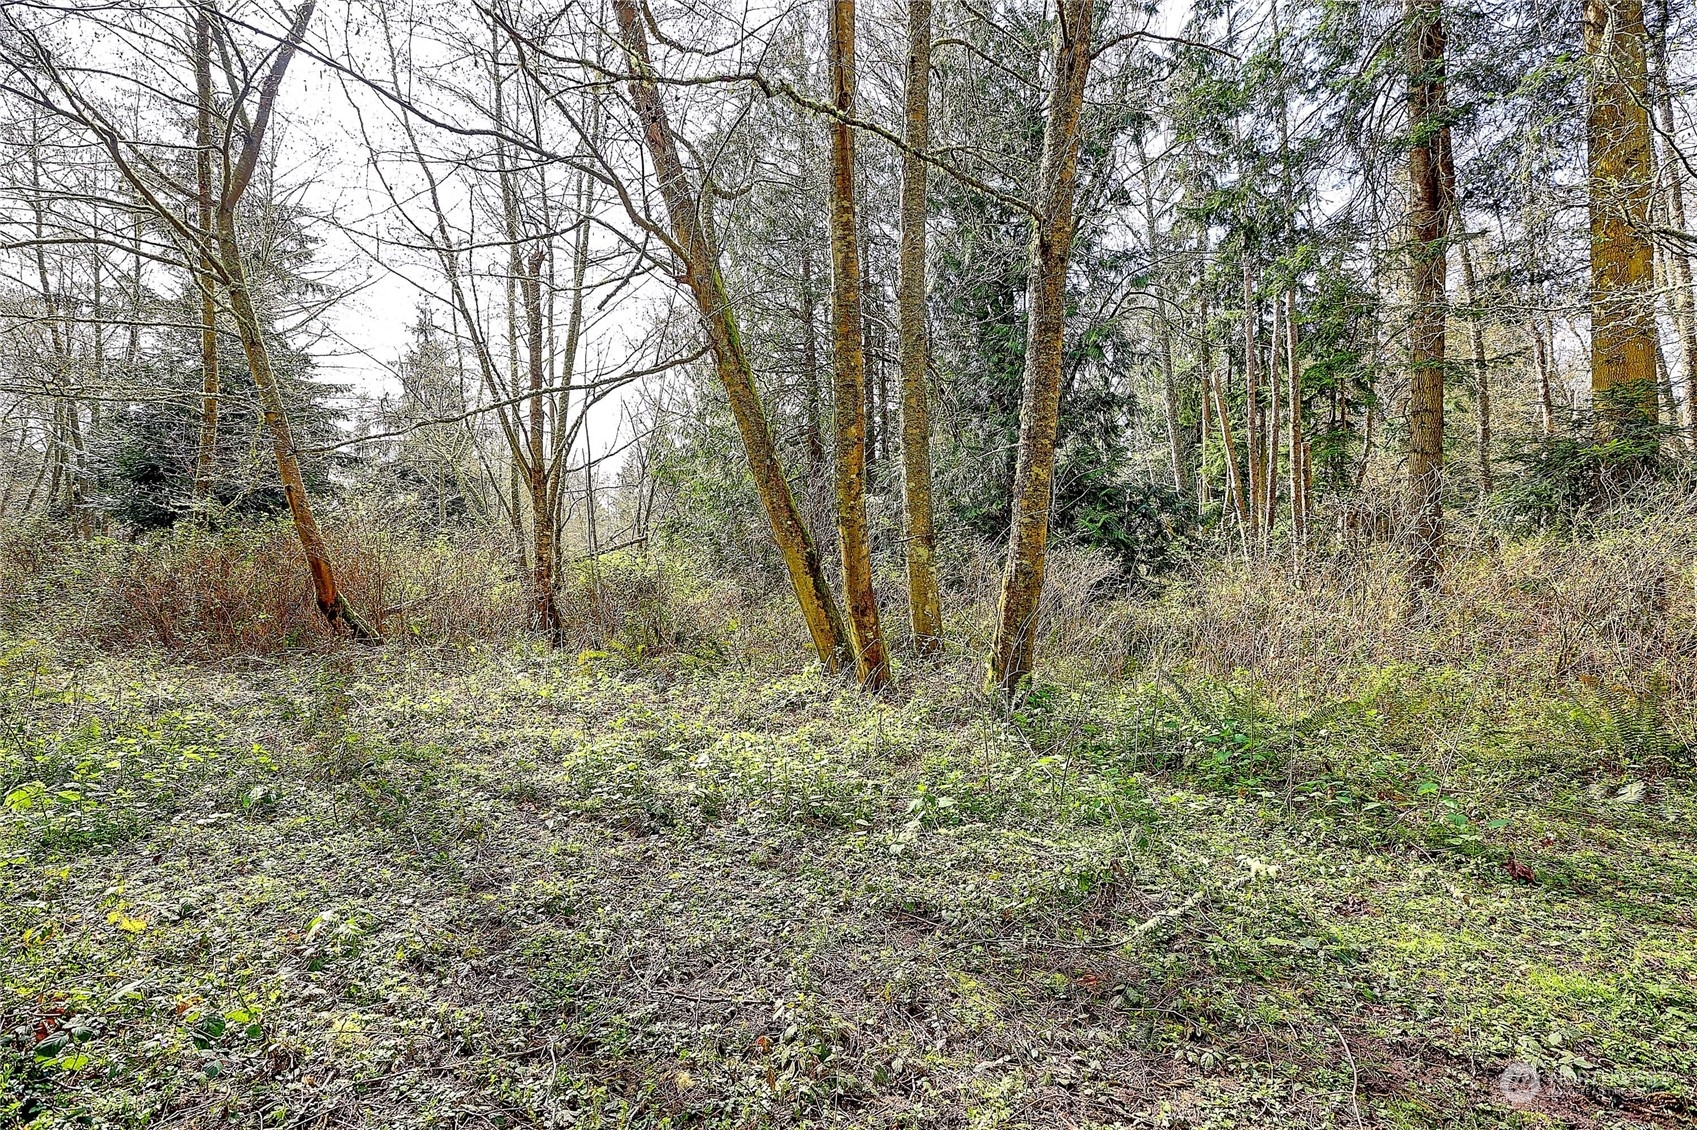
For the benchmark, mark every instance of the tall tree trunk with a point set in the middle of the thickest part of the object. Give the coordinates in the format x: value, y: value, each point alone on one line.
x: 1271, y: 479
x: 545, y: 611
x: 1203, y: 495
x: 1169, y: 406
x: 206, y: 451
x: 1683, y: 298
x: 1623, y: 331
x: 1013, y: 647
x: 1234, y: 474
x: 1212, y: 384
x: 1481, y: 369
x: 64, y: 439
x: 925, y: 612
x: 1161, y: 328
x: 1251, y: 408
x: 1298, y: 440
x: 812, y: 389
x: 250, y: 330
x: 1429, y: 210
x: 700, y: 261
x: 849, y: 366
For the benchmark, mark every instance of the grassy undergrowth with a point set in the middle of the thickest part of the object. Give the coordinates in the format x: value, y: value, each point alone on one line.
x: 512, y: 889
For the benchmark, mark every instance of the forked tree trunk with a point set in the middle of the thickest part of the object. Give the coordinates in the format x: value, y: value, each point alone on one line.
x: 925, y: 612
x: 206, y: 452
x: 1429, y: 198
x: 849, y: 367
x: 545, y: 611
x: 250, y: 330
x: 1013, y: 647
x: 700, y: 262
x: 1623, y: 330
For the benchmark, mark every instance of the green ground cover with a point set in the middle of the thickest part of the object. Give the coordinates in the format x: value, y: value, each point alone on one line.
x: 461, y: 888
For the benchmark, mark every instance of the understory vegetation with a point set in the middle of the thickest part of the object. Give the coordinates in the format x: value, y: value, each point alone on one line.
x: 1275, y: 847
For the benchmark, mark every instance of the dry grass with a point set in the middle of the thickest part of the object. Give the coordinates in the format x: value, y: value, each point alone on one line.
x: 1612, y: 603
x: 244, y: 591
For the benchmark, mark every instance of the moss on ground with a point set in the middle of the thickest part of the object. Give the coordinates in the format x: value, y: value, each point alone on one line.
x: 510, y: 889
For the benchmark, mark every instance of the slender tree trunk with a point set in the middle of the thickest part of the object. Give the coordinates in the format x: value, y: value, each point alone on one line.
x: 1234, y: 474
x: 1013, y: 647
x: 812, y: 389
x: 1541, y: 360
x: 1298, y: 441
x: 249, y: 328
x: 1252, y: 408
x: 64, y: 439
x: 206, y: 452
x: 1271, y: 479
x: 1161, y: 327
x: 1169, y: 407
x: 700, y: 261
x: 925, y: 612
x: 1623, y: 367
x: 1664, y: 385
x: 849, y: 365
x: 1205, y: 416
x: 1481, y: 369
x: 1428, y: 214
x: 1222, y: 412
x: 1683, y: 297
x: 545, y: 611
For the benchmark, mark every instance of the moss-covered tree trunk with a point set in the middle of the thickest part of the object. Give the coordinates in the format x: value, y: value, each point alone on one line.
x: 1013, y: 646
x: 206, y: 451
x: 1429, y: 196
x: 250, y: 329
x: 866, y: 637
x: 700, y: 262
x: 1623, y: 326
x: 925, y: 610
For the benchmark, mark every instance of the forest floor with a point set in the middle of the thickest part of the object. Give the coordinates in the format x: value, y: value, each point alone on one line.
x: 433, y: 888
